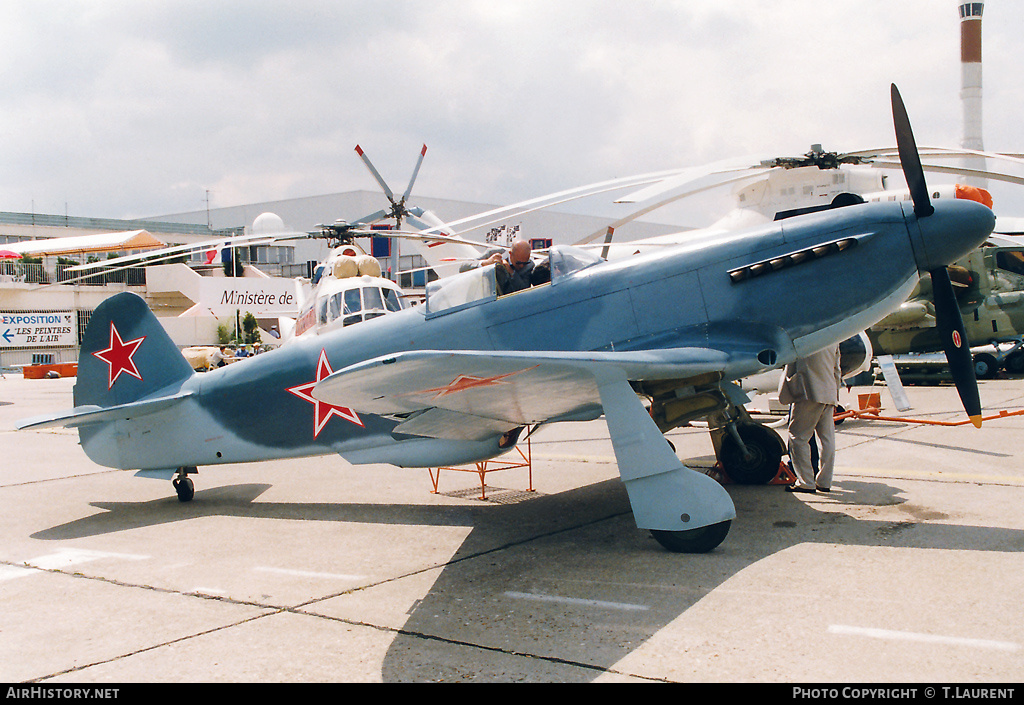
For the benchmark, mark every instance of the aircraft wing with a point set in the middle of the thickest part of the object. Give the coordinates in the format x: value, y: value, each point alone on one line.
x: 471, y: 395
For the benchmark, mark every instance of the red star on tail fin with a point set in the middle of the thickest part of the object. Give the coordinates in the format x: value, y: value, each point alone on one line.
x: 119, y: 356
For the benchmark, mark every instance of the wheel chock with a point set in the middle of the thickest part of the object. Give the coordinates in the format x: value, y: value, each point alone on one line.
x: 785, y: 476
x: 717, y: 473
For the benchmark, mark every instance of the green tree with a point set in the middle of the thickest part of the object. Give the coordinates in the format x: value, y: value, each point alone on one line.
x: 251, y: 328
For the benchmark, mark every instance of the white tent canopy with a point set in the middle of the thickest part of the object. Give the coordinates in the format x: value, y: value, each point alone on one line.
x: 103, y: 242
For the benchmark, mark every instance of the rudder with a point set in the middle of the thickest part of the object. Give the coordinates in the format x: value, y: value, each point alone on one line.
x: 126, y: 355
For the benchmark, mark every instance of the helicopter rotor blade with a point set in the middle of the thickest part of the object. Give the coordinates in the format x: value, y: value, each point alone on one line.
x: 415, y: 173
x: 376, y: 175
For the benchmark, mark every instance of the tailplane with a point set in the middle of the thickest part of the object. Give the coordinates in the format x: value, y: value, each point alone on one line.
x: 128, y: 367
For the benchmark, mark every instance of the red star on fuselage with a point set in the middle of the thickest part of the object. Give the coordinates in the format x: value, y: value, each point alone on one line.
x: 322, y: 411
x: 464, y: 382
x: 119, y: 356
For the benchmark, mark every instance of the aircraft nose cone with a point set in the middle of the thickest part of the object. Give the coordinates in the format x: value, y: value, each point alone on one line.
x: 955, y: 228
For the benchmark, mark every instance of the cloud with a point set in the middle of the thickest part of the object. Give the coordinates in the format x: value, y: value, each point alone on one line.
x: 133, y: 109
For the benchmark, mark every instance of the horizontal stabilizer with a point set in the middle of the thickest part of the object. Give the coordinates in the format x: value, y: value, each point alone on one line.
x: 89, y: 414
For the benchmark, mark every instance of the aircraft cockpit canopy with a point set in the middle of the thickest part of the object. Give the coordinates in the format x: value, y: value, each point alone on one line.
x: 566, y: 260
x: 461, y: 290
x: 478, y: 285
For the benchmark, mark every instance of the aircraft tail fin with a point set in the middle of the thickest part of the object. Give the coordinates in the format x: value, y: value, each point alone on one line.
x: 127, y: 356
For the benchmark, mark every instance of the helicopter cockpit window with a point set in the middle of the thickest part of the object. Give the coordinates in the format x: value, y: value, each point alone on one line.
x: 566, y: 261
x: 373, y: 303
x: 353, y: 306
x: 322, y: 311
x: 1011, y: 261
x: 334, y: 310
x: 461, y: 290
x: 392, y: 300
x: 372, y: 300
x: 352, y: 302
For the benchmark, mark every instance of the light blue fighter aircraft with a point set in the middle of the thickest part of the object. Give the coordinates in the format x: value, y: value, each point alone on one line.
x: 453, y: 381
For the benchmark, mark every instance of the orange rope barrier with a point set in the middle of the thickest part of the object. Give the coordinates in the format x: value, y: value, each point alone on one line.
x: 872, y: 413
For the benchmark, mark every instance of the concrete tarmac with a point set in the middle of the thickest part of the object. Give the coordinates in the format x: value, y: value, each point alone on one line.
x: 910, y: 571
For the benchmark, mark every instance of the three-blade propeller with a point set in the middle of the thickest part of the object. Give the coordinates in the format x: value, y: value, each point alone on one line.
x: 947, y: 312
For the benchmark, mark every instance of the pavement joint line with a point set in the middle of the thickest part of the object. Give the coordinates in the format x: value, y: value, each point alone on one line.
x: 62, y: 477
x: 460, y: 559
x: 541, y: 597
x: 893, y: 635
x: 145, y: 649
x: 398, y: 631
x: 270, y: 610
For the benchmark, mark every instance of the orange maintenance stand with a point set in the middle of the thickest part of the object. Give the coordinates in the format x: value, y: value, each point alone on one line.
x: 482, y: 468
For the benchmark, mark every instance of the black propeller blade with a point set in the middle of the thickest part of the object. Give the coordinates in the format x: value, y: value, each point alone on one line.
x: 954, y: 342
x: 947, y: 313
x: 909, y: 157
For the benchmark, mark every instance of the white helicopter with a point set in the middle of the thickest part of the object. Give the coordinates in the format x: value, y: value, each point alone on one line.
x: 348, y: 286
x: 769, y: 189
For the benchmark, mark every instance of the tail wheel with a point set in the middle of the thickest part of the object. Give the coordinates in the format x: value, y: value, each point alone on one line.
x: 182, y: 484
x: 760, y: 464
x: 185, y: 489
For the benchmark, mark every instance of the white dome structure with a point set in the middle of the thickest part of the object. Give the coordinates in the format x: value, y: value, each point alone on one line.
x: 267, y: 224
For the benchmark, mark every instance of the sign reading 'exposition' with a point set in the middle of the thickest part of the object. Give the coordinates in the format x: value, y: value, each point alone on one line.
x: 49, y: 329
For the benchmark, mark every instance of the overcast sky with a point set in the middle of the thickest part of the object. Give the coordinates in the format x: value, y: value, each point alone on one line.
x: 134, y: 109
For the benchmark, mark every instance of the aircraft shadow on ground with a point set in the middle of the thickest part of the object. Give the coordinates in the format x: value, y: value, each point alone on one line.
x: 474, y: 623
x: 614, y: 563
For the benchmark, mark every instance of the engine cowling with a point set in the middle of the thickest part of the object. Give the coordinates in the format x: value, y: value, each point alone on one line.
x: 855, y: 355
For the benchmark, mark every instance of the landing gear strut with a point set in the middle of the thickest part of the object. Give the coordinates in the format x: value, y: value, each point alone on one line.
x: 749, y: 452
x: 183, y: 485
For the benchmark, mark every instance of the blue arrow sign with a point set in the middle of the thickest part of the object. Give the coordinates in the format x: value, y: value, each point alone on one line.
x: 7, y: 335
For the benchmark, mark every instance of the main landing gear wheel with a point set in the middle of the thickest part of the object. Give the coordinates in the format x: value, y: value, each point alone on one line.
x: 701, y: 540
x: 985, y: 366
x: 1014, y: 363
x: 760, y: 464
